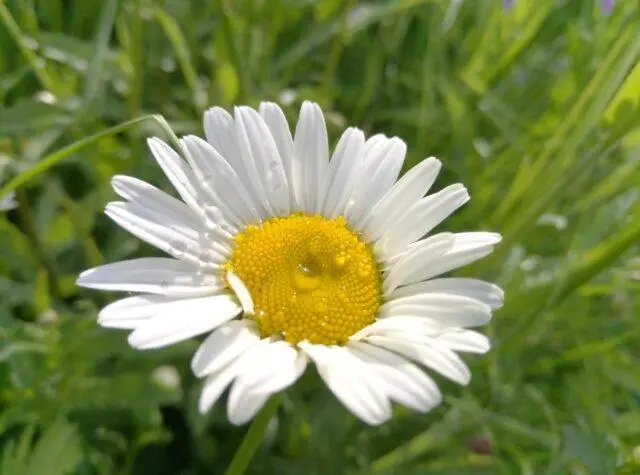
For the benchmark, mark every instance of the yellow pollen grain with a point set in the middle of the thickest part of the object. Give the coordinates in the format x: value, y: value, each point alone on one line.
x: 310, y: 278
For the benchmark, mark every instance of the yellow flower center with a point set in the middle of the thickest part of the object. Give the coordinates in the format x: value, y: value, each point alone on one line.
x: 310, y: 278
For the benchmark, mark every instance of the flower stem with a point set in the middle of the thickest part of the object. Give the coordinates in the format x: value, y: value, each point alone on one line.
x: 254, y: 436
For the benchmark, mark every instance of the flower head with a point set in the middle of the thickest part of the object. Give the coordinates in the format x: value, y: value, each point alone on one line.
x: 283, y: 257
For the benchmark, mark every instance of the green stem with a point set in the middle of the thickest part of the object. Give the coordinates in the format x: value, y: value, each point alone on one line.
x: 254, y: 436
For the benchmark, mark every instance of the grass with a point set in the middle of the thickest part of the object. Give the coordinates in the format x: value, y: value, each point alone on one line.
x: 536, y: 109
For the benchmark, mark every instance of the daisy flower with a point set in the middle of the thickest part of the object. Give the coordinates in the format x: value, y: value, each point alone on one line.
x: 284, y: 257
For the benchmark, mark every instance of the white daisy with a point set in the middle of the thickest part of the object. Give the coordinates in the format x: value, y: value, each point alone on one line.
x: 283, y: 256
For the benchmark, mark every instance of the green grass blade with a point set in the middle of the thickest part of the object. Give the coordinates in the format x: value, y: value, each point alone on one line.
x: 599, y: 258
x: 55, y: 158
x: 181, y: 48
x: 578, y: 122
x: 367, y: 16
x: 100, y: 49
x: 38, y: 66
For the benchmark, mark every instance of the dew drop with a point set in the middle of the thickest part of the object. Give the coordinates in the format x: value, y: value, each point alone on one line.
x: 305, y: 278
x: 168, y: 64
x: 30, y: 43
x: 213, y: 218
x: 204, y: 259
x: 178, y: 247
x: 199, y: 280
x: 208, y: 182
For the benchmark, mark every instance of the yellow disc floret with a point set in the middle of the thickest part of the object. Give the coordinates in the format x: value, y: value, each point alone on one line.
x: 310, y: 278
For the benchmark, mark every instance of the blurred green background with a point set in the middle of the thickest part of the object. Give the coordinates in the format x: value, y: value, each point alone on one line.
x: 536, y: 108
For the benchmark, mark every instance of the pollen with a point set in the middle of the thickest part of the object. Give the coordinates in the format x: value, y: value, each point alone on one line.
x: 310, y: 278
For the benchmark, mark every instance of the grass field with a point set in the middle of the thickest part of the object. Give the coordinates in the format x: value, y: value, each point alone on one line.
x: 536, y: 108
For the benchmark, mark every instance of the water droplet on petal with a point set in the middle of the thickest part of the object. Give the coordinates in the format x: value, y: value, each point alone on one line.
x: 178, y: 247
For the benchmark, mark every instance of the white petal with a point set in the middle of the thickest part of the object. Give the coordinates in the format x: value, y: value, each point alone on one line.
x: 388, y: 158
x: 467, y: 341
x: 405, y: 382
x: 404, y: 194
x: 382, y: 163
x: 439, y: 206
x: 271, y: 368
x: 400, y: 324
x: 277, y: 123
x: 420, y: 219
x: 130, y: 312
x: 214, y: 386
x: 373, y: 143
x: 310, y: 157
x: 171, y: 237
x: 221, y: 183
x: 434, y: 355
x: 223, y: 346
x: 241, y: 291
x: 446, y: 309
x: 177, y: 172
x: 148, y: 196
x: 154, y: 275
x: 262, y: 160
x: 343, y: 173
x: 486, y: 292
x: 475, y: 240
x: 142, y: 213
x: 221, y: 132
x: 242, y: 409
x: 183, y: 319
x: 351, y: 382
x: 242, y: 403
x: 409, y: 266
x: 467, y: 248
x: 217, y: 382
x: 265, y: 370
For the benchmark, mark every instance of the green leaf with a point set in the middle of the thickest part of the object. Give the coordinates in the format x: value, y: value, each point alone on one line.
x: 58, y: 451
